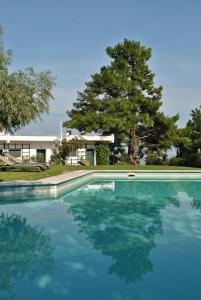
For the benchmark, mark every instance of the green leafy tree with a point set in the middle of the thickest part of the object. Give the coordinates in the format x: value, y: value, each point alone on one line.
x: 123, y: 100
x: 188, y: 143
x: 183, y: 142
x: 24, y: 95
x: 63, y: 150
x: 194, y: 128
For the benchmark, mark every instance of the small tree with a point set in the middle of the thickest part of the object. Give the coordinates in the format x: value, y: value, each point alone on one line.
x: 194, y: 126
x: 24, y: 95
x: 188, y: 143
x: 63, y: 149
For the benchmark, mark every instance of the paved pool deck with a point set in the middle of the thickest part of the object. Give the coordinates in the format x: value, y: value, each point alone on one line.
x: 128, y: 173
x: 64, y: 177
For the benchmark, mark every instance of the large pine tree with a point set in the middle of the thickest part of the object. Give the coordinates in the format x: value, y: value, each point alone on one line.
x: 122, y: 99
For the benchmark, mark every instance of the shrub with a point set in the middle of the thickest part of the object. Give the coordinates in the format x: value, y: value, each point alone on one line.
x: 124, y: 158
x: 62, y: 150
x: 192, y: 160
x: 113, y: 159
x: 176, y: 161
x: 154, y: 159
x: 102, y: 154
x: 121, y: 163
x: 195, y: 160
x: 33, y: 158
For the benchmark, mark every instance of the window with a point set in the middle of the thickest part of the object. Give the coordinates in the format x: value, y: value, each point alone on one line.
x: 12, y: 146
x: 73, y: 153
x: 90, y: 146
x: 15, y: 153
x: 26, y: 146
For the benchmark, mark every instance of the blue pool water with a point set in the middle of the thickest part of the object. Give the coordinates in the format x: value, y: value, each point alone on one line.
x: 105, y: 240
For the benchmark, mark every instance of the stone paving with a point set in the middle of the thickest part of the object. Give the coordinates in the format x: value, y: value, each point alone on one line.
x: 64, y: 177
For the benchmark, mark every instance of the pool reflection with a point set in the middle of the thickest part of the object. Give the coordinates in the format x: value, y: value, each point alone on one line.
x: 24, y: 250
x: 123, y: 224
x: 107, y: 239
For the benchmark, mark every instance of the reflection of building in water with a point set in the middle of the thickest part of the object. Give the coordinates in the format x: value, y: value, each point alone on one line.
x: 99, y: 186
x: 92, y: 187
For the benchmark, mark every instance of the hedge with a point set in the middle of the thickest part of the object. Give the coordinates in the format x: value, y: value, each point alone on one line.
x: 102, y: 154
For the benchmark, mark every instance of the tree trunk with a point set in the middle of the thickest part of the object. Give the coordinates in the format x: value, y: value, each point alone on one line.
x: 133, y: 148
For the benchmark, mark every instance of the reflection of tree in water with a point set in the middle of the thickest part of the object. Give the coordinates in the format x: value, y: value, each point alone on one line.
x: 124, y: 224
x: 24, y: 250
x: 193, y: 190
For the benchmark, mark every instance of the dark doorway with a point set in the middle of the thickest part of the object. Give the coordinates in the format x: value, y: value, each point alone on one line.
x: 90, y: 156
x: 41, y: 155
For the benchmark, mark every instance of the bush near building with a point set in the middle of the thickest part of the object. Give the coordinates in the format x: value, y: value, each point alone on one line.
x: 102, y: 154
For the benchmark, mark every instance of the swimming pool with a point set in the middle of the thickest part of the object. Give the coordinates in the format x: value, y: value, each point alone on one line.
x: 111, y: 239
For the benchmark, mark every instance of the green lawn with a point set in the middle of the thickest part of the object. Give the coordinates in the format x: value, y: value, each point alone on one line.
x: 56, y: 170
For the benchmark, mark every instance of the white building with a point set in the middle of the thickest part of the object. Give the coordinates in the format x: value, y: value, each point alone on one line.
x: 40, y: 148
x: 89, y: 151
x: 28, y: 148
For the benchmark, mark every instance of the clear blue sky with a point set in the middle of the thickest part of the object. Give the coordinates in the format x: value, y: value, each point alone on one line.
x: 69, y: 38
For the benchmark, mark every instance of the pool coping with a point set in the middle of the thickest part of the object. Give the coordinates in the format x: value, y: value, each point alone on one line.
x: 68, y: 176
x: 55, y: 185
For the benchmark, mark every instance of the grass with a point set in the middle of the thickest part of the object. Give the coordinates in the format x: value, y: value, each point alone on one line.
x: 58, y: 169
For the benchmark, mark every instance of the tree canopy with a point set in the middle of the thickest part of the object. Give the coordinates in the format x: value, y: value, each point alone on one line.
x: 122, y: 99
x: 188, y: 142
x: 24, y: 95
x: 194, y: 128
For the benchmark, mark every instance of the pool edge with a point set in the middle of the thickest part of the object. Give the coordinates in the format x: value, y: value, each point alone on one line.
x: 53, y: 186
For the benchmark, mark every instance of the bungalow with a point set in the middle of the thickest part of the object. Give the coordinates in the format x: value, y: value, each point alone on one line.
x: 89, y: 151
x: 28, y: 148
x: 40, y: 148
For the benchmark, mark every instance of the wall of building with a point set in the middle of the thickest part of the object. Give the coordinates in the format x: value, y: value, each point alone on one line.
x: 47, y: 146
x: 80, y: 154
x: 29, y: 149
x: 25, y: 147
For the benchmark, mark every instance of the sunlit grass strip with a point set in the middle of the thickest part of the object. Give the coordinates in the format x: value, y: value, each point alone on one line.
x: 59, y: 169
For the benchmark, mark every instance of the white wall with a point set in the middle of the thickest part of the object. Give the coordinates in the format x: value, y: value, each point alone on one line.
x: 81, y: 153
x: 73, y: 160
x: 48, y: 146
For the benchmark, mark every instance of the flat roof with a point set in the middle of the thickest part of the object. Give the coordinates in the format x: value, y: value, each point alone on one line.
x: 27, y: 138
x: 93, y: 137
